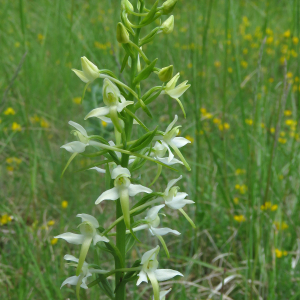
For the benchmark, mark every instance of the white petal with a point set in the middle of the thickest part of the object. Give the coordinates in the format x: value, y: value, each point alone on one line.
x: 71, y: 258
x: 180, y: 141
x: 147, y: 255
x: 99, y: 238
x: 120, y: 171
x: 105, y: 119
x: 81, y: 75
x: 83, y: 283
x: 172, y: 83
x: 98, y: 112
x: 166, y: 274
x: 142, y: 278
x: 163, y: 294
x: 71, y: 238
x: 152, y: 212
x: 111, y: 194
x: 138, y: 228
x: 79, y: 128
x: 89, y: 218
x: 172, y: 124
x: 131, y: 160
x: 171, y: 183
x: 71, y: 280
x: 179, y: 204
x: 179, y: 196
x: 164, y: 231
x: 171, y: 155
x: 121, y: 106
x: 166, y: 161
x: 110, y: 87
x: 179, y: 90
x: 99, y: 170
x: 134, y: 189
x: 75, y: 147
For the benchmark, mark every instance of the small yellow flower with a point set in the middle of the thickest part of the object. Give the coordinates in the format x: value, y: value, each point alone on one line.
x: 244, y: 64
x: 239, y: 218
x: 54, y: 241
x: 17, y: 44
x: 284, y: 225
x: 9, y: 111
x: 289, y: 74
x: 4, y: 219
x: 285, y: 253
x: 269, y: 31
x: 278, y: 253
x: 240, y: 171
x: 216, y: 121
x: 64, y: 204
x: 230, y: 70
x: 280, y: 177
x: 295, y: 40
x: 282, y: 133
x: 269, y: 40
x: 289, y: 122
x: 237, y: 186
x: 249, y: 122
x: 203, y: 110
x: 262, y: 125
x: 40, y: 37
x: 44, y: 123
x: 243, y: 189
x: 104, y: 124
x: 77, y: 100
x: 16, y: 127
x: 271, y: 79
x: 287, y: 113
x: 245, y: 51
x: 51, y: 223
x: 217, y: 64
x: 9, y: 160
x: 282, y: 60
x: 274, y: 207
x: 236, y: 200
x: 226, y: 126
x: 287, y: 34
x: 272, y: 129
x: 10, y: 169
x: 190, y: 138
x: 190, y: 65
x: 282, y: 140
x: 207, y: 115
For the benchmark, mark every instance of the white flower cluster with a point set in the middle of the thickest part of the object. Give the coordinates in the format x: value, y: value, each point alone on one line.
x: 122, y: 158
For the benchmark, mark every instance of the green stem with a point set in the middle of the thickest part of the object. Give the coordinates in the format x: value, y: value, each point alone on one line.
x: 140, y: 51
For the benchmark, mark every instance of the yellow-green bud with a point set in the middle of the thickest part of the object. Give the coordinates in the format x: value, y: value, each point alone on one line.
x: 165, y: 74
x: 168, y: 25
x: 125, y: 4
x: 168, y: 6
x: 122, y: 34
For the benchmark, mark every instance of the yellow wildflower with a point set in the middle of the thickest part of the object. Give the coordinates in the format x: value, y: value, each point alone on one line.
x: 282, y: 140
x: 190, y: 65
x: 10, y: 169
x: 243, y: 189
x: 64, y: 204
x: 245, y: 51
x: 282, y: 60
x: 9, y: 111
x: 51, y: 223
x: 240, y: 171
x: 5, y: 219
x: 239, y: 218
x: 203, y: 110
x: 16, y: 127
x: 44, y: 123
x: 278, y: 253
x: 287, y: 34
x: 262, y: 125
x: 77, y: 100
x: 104, y: 124
x: 249, y: 122
x: 217, y: 64
x: 248, y: 37
x: 271, y: 79
x: 289, y: 122
x: 284, y: 225
x: 244, y: 64
x: 216, y: 121
x: 289, y: 74
x: 54, y: 241
x: 274, y: 207
x: 295, y: 40
x: 280, y: 177
x: 40, y: 37
x: 282, y: 133
x: 245, y: 21
x: 269, y: 31
x: 230, y: 70
x: 269, y: 40
x: 237, y: 186
x: 236, y: 200
x: 207, y: 115
x: 272, y: 129
x: 17, y: 44
x: 190, y: 138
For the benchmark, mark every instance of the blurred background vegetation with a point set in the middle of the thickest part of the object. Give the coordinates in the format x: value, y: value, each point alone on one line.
x: 242, y: 59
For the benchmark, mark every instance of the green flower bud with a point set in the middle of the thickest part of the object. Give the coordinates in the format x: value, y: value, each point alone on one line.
x: 168, y: 6
x: 165, y: 74
x: 125, y: 4
x: 168, y: 25
x: 122, y: 34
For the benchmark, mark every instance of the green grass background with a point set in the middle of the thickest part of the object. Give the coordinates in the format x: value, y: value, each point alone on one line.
x: 242, y: 59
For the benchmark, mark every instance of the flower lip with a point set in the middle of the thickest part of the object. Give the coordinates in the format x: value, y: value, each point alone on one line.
x: 120, y: 171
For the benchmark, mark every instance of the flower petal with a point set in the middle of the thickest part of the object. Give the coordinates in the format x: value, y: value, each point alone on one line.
x: 153, y: 212
x: 99, y: 238
x: 172, y: 83
x: 111, y: 194
x: 179, y: 203
x: 72, y: 238
x: 121, y: 106
x: 71, y: 258
x: 89, y: 218
x: 164, y: 231
x: 171, y: 155
x: 171, y: 124
x: 70, y: 280
x: 142, y: 278
x: 98, y: 112
x: 166, y: 161
x: 134, y: 189
x: 171, y: 183
x: 99, y: 170
x: 120, y: 171
x: 147, y: 255
x: 79, y: 128
x: 166, y: 274
x: 81, y: 75
x: 180, y: 141
x: 179, y: 90
x: 75, y: 147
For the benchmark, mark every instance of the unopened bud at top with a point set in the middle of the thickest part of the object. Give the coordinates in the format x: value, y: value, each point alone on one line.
x: 168, y: 6
x: 122, y: 34
x: 166, y: 74
x: 125, y: 4
x: 168, y: 25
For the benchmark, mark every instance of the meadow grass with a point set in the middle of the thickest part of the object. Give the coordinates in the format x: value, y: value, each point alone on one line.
x: 242, y: 59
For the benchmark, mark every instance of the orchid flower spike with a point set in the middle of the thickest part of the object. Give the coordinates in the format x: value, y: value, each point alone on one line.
x: 152, y: 221
x: 123, y: 189
x: 149, y: 270
x: 176, y: 91
x: 176, y: 200
x: 89, y: 71
x: 162, y: 294
x: 80, y: 280
x: 88, y: 234
x: 111, y: 97
x: 170, y: 139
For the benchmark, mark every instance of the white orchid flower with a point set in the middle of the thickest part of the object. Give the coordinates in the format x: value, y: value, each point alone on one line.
x: 111, y: 97
x: 176, y: 91
x: 158, y: 152
x: 149, y: 270
x: 162, y: 294
x: 170, y: 139
x: 88, y: 234
x: 89, y: 72
x: 152, y: 221
x: 80, y: 280
x: 123, y: 189
x: 175, y: 199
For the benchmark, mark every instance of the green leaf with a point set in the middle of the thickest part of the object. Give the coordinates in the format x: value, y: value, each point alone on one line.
x: 145, y: 73
x: 143, y: 141
x: 151, y: 14
x: 129, y: 242
x: 105, y: 286
x: 124, y: 63
x: 69, y: 161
